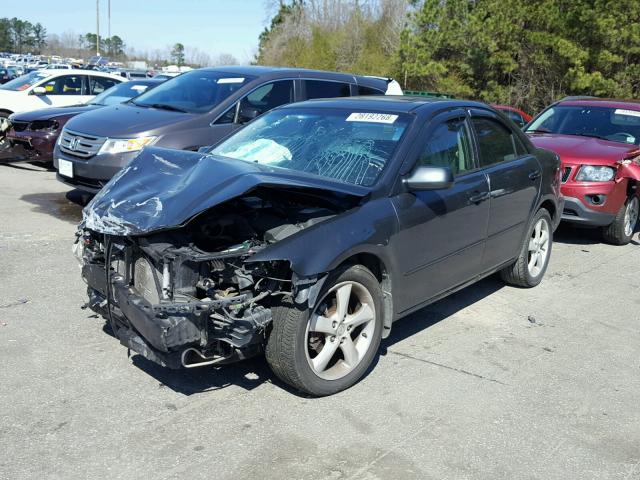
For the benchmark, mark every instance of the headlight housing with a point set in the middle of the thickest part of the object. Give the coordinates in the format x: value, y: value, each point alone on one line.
x: 120, y: 145
x: 593, y: 173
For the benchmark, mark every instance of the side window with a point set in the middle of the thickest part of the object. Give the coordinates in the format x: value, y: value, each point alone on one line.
x: 64, y: 85
x: 516, y: 117
x: 100, y: 84
x: 325, y: 89
x: 228, y: 116
x: 369, y: 91
x: 449, y: 146
x: 496, y: 142
x: 265, y: 98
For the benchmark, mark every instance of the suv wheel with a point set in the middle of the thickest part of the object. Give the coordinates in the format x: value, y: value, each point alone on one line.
x: 529, y: 268
x: 623, y: 226
x: 328, y: 349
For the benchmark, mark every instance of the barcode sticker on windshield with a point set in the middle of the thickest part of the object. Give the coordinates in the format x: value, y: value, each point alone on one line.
x: 372, y: 117
x: 231, y: 80
x: 630, y: 113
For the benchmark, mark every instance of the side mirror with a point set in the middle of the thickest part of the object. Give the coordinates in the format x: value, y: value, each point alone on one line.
x: 39, y: 91
x: 204, y: 149
x: 429, y: 178
x: 247, y: 113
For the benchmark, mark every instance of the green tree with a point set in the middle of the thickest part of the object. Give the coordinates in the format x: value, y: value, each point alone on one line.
x: 39, y: 34
x: 177, y: 54
x: 114, y: 46
x: 5, y: 35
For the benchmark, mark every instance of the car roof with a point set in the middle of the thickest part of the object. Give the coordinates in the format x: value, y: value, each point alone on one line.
x: 275, y: 72
x: 389, y: 103
x: 602, y: 102
x: 146, y: 81
x: 54, y: 72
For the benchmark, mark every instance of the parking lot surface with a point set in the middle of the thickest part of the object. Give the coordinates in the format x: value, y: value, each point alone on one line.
x: 492, y: 383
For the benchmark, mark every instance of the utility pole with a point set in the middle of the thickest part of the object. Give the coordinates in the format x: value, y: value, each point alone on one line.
x: 109, y: 18
x: 98, y: 27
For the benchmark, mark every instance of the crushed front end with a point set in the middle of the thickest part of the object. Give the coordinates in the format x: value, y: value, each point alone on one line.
x: 192, y: 296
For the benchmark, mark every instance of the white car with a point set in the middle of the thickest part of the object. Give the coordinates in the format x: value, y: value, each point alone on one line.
x: 53, y: 88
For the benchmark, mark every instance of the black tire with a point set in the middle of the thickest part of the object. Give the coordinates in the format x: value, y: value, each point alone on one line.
x: 518, y: 273
x: 615, y: 233
x: 4, y: 144
x: 286, y: 349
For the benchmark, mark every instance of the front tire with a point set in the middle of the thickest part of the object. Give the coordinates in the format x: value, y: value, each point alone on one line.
x: 328, y: 349
x: 621, y: 230
x: 531, y: 265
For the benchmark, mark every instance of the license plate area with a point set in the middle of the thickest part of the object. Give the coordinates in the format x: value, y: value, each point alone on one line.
x: 65, y: 168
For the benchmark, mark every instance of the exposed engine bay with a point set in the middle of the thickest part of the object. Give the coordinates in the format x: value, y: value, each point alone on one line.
x: 192, y: 296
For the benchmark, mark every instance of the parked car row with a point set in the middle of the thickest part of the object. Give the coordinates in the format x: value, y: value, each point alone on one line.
x: 242, y: 210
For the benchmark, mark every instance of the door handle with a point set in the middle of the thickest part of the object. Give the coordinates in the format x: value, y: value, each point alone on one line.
x: 479, y: 197
x: 534, y: 175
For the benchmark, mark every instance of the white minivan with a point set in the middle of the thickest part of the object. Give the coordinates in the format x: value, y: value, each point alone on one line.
x: 53, y: 88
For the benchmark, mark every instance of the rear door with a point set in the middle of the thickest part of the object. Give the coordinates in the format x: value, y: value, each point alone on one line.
x: 97, y: 85
x: 514, y: 184
x: 325, y: 89
x: 442, y: 232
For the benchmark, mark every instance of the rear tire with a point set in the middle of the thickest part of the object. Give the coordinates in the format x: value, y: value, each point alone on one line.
x: 345, y: 324
x: 620, y: 232
x: 529, y: 269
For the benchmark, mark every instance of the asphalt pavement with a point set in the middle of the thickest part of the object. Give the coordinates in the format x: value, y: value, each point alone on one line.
x: 492, y: 383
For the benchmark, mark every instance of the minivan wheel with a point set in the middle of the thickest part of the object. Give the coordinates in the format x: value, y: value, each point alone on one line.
x: 621, y: 230
x: 324, y: 350
x: 529, y: 269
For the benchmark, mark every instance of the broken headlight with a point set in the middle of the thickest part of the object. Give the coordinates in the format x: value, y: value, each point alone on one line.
x: 44, y: 126
x: 591, y: 173
x: 120, y: 145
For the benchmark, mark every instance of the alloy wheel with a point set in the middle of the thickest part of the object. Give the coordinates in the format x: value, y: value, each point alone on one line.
x: 340, y: 330
x: 631, y: 216
x: 538, y: 247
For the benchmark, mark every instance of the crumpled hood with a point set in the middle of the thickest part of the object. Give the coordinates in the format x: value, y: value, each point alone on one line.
x: 575, y: 149
x: 54, y: 112
x: 163, y: 189
x: 124, y: 120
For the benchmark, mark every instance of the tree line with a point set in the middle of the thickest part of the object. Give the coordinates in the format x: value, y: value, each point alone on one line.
x: 524, y: 53
x: 21, y: 36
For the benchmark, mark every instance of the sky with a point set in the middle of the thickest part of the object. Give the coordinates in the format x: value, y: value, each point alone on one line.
x: 213, y: 26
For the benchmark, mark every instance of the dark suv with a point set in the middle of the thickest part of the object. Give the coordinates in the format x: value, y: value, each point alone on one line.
x: 192, y: 110
x: 312, y: 229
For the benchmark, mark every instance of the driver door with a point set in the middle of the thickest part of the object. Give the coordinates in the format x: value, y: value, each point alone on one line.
x: 63, y: 91
x: 442, y: 232
x: 262, y: 99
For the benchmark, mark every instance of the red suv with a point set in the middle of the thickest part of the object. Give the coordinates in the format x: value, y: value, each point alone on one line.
x: 598, y: 143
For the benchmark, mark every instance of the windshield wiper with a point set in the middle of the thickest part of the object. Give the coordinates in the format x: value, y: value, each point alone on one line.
x: 537, y: 131
x: 163, y: 106
x: 592, y: 135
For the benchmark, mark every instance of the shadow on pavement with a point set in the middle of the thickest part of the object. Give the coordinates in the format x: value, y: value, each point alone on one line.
x: 251, y: 373
x: 577, y: 236
x: 440, y: 310
x: 63, y: 205
x: 572, y: 235
x: 23, y: 164
x: 247, y: 374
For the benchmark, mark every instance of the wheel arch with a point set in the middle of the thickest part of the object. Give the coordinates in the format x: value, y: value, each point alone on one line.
x: 376, y: 265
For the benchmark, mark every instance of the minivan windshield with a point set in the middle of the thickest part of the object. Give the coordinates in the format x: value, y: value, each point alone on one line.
x: 197, y: 91
x: 352, y: 147
x: 25, y: 81
x: 120, y: 92
x: 614, y: 124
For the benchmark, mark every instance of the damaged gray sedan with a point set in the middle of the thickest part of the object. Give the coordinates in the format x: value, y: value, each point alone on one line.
x: 306, y: 234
